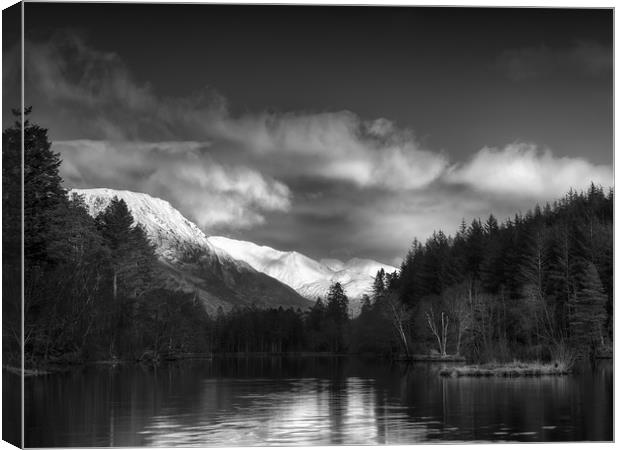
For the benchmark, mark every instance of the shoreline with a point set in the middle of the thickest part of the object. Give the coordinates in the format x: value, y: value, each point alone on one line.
x: 28, y: 372
x: 431, y: 358
x: 163, y: 359
x: 508, y: 370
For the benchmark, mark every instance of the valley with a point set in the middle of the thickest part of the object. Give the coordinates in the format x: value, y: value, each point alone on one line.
x: 225, y: 272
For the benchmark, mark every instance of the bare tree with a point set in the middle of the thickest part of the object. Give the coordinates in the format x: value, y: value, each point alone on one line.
x: 440, y: 332
x: 458, y: 300
x: 399, y: 315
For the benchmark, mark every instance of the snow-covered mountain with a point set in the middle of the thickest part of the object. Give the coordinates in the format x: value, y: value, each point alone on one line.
x: 307, y: 276
x: 188, y: 260
x: 165, y: 226
x: 227, y: 271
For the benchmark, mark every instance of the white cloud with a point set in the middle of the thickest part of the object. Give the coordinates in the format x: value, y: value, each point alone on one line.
x: 91, y: 93
x: 340, y: 146
x: 522, y: 169
x: 212, y: 194
x: 222, y: 170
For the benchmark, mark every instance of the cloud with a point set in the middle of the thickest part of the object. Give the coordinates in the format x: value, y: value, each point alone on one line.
x: 522, y: 169
x: 85, y: 91
x: 584, y: 58
x: 210, y: 193
x: 326, y: 183
x: 340, y: 146
x: 91, y: 94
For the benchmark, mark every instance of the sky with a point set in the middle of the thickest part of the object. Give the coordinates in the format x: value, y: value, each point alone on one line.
x: 337, y: 132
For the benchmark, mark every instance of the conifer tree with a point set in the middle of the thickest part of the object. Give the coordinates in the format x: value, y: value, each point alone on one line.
x: 132, y: 255
x: 317, y: 314
x: 11, y: 243
x: 337, y: 303
x: 587, y: 316
x: 43, y: 190
x: 43, y: 202
x: 378, y: 285
x: 131, y: 263
x: 337, y: 316
x: 366, y: 305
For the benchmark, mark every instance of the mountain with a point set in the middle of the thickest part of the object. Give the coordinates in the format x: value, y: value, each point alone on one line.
x: 307, y: 276
x: 188, y: 260
x: 172, y: 234
x: 334, y: 264
x: 227, y: 272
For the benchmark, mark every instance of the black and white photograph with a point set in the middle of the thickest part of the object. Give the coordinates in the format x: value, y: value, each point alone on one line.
x: 241, y: 225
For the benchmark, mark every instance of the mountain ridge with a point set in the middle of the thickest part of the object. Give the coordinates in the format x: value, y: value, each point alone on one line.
x: 188, y: 262
x: 310, y: 278
x: 176, y: 239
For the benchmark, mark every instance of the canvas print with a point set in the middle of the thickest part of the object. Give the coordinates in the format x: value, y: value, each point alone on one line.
x: 293, y: 225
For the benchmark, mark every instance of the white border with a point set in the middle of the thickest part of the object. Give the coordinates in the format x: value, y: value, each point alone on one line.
x: 482, y: 3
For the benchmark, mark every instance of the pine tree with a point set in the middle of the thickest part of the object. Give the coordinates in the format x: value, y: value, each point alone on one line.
x: 337, y: 303
x: 588, y: 317
x: 491, y: 226
x: 378, y: 285
x: 71, y: 307
x: 366, y: 305
x: 337, y: 316
x: 43, y: 191
x: 409, y: 278
x: 132, y: 254
x: 143, y: 255
x: 475, y: 248
x: 44, y: 200
x: 132, y: 261
x: 11, y: 244
x: 316, y: 315
x: 11, y: 193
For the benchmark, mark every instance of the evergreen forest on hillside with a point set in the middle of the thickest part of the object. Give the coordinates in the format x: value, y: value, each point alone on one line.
x: 537, y: 286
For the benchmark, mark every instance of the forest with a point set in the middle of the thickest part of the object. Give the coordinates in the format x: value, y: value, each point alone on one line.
x: 536, y: 286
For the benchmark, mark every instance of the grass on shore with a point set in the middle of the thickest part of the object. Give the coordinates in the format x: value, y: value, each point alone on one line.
x: 26, y: 372
x: 513, y: 369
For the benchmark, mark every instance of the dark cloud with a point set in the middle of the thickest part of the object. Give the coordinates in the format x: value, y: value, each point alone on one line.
x: 102, y: 102
x: 584, y: 58
x: 325, y: 183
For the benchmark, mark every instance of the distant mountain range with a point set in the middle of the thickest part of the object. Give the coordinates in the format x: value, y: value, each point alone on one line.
x: 226, y: 272
x: 308, y: 277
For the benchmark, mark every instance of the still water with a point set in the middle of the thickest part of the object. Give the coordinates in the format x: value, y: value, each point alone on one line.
x: 310, y: 401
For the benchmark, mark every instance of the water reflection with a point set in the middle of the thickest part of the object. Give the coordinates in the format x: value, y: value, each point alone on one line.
x: 309, y: 401
x: 11, y: 407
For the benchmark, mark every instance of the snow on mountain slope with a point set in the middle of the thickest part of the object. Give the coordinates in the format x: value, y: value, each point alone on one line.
x: 167, y: 228
x: 291, y: 268
x: 308, y: 277
x: 366, y: 266
x: 333, y: 264
x: 189, y: 261
x: 174, y: 236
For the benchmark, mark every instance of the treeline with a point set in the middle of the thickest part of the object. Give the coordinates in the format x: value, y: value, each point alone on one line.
x: 537, y: 286
x: 322, y: 329
x: 91, y: 289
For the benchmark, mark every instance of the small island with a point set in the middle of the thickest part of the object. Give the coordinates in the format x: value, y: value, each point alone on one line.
x: 513, y: 369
